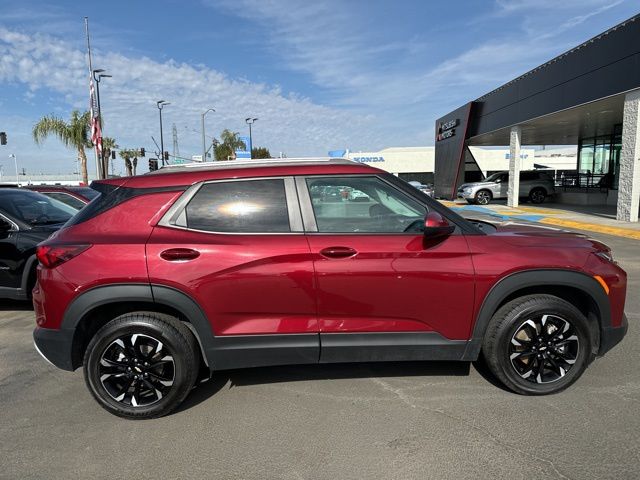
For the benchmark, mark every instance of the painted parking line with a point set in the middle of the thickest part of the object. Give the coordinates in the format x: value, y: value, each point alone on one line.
x: 593, y: 227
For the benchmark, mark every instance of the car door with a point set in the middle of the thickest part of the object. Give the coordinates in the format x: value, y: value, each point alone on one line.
x: 237, y: 247
x: 385, y: 291
x: 502, y: 186
x: 10, y: 259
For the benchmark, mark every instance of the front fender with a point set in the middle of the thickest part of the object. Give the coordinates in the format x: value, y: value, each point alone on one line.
x: 535, y: 278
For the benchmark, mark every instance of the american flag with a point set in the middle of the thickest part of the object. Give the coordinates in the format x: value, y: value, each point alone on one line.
x: 96, y: 131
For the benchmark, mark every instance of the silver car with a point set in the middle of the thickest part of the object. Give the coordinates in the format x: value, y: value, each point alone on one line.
x: 534, y: 185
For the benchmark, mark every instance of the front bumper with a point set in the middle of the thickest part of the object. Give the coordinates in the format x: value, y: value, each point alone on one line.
x: 55, y: 346
x: 611, y: 336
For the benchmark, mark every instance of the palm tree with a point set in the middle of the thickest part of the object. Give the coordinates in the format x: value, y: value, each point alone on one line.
x: 130, y: 157
x: 74, y: 134
x: 108, y: 145
x: 230, y: 143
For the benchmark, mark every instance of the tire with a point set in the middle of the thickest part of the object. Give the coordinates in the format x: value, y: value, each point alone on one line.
x: 154, y: 354
x: 483, y: 197
x: 537, y: 195
x: 563, y: 357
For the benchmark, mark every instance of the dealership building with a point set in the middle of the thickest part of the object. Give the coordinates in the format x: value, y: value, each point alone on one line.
x: 588, y: 97
x: 417, y: 163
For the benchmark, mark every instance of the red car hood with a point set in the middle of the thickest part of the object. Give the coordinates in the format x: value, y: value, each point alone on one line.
x: 523, y: 233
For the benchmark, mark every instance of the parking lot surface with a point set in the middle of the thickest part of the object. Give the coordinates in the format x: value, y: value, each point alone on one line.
x: 400, y: 420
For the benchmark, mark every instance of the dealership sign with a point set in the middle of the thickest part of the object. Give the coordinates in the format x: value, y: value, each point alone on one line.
x: 447, y: 129
x: 368, y: 159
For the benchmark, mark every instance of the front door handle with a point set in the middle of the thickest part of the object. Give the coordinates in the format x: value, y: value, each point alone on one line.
x: 338, y: 252
x: 179, y: 254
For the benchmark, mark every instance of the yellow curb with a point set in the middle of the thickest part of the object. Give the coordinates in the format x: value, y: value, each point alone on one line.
x: 541, y: 211
x: 592, y: 227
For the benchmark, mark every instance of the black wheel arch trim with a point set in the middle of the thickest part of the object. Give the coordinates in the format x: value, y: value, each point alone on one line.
x: 141, y: 292
x: 535, y: 278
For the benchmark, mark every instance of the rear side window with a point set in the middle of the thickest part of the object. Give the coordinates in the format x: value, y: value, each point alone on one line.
x: 110, y: 196
x: 66, y: 198
x: 247, y: 206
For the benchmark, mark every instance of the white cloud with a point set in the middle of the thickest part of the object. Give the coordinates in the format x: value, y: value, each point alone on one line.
x: 287, y: 122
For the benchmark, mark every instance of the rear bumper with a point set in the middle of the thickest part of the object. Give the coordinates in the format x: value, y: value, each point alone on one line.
x: 55, y: 346
x: 611, y: 336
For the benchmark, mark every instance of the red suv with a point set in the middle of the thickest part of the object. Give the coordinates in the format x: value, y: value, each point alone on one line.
x: 242, y: 264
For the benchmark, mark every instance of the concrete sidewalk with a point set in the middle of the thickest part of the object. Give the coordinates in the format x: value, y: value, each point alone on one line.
x: 566, y: 216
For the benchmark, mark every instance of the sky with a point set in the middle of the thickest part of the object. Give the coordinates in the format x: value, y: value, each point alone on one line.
x: 321, y: 75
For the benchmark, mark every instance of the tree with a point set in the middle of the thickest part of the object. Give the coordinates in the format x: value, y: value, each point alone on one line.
x: 229, y: 143
x: 73, y: 134
x: 108, y: 145
x: 130, y: 157
x: 260, y: 152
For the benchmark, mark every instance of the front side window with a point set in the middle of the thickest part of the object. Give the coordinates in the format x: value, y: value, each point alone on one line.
x: 363, y: 204
x: 247, y: 206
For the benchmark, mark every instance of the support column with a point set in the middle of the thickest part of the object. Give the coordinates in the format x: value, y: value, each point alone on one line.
x: 629, y: 181
x: 514, y: 167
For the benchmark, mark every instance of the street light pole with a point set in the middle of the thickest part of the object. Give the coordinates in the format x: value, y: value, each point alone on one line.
x: 250, y: 121
x: 13, y: 155
x: 204, y: 151
x: 160, y: 104
x: 97, y: 76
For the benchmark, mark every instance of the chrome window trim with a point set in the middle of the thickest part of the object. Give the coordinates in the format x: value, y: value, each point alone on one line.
x: 14, y: 225
x: 175, y: 217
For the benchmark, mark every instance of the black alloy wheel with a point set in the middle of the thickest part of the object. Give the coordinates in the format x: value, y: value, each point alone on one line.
x: 137, y: 370
x: 537, y: 195
x: 141, y: 364
x: 544, y: 348
x: 537, y: 344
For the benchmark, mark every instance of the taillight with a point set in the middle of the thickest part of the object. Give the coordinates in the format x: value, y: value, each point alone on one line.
x: 51, y: 256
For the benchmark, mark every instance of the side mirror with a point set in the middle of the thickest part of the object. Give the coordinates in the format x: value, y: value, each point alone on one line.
x: 435, y: 225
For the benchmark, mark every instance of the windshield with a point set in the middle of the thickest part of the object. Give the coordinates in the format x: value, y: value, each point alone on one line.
x: 34, y: 208
x: 494, y: 177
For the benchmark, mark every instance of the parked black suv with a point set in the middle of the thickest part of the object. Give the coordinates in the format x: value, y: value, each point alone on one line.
x: 26, y: 219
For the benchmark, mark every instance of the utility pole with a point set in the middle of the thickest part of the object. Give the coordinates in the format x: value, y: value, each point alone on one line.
x: 174, y: 133
x: 250, y: 122
x: 15, y: 159
x: 161, y: 104
x: 204, y: 151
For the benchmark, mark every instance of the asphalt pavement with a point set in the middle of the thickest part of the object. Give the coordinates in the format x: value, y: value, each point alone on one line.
x: 418, y: 420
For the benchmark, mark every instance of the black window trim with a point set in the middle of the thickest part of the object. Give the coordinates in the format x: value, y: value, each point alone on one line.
x: 175, y: 217
x: 463, y: 226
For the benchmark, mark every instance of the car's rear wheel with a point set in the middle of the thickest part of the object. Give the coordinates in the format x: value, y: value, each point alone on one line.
x: 483, y: 197
x: 537, y: 195
x: 537, y: 344
x: 141, y: 365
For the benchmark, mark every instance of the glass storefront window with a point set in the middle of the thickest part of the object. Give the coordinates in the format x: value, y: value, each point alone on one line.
x: 600, y: 156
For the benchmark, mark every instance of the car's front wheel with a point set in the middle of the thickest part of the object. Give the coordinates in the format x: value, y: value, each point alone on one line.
x: 537, y: 195
x: 483, y: 197
x: 537, y: 344
x: 141, y: 365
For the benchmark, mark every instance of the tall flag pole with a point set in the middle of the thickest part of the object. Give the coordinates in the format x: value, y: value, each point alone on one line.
x: 96, y: 132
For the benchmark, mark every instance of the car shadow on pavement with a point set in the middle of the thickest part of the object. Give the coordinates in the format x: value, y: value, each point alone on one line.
x: 13, y: 305
x: 297, y: 373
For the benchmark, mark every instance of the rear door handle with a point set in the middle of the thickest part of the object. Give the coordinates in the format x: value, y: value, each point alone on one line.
x: 338, y: 252
x: 179, y: 254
